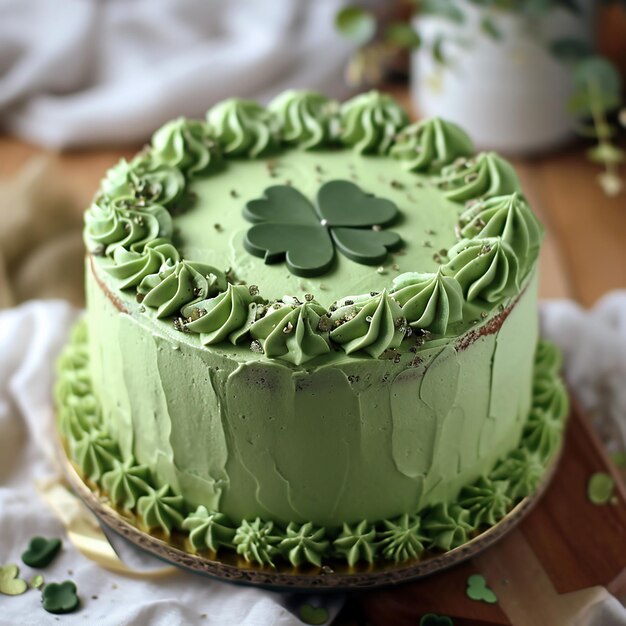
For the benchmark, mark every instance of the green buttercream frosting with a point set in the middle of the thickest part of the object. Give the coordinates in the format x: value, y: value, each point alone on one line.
x: 289, y: 331
x: 307, y: 118
x: 431, y: 144
x: 483, y: 176
x: 487, y: 269
x: 95, y: 452
x: 127, y: 482
x: 429, y: 301
x: 357, y: 543
x: 185, y: 144
x: 550, y: 394
x: 243, y: 127
x: 543, y: 432
x: 256, y: 541
x: 510, y: 218
x: 486, y: 500
x: 130, y: 268
x: 209, y: 529
x: 447, y: 525
x: 160, y: 508
x: 548, y: 358
x: 402, y: 539
x: 124, y: 223
x: 370, y: 122
x: 223, y: 317
x: 372, y: 324
x: 304, y: 543
x: 523, y: 469
x: 144, y: 180
x: 173, y: 287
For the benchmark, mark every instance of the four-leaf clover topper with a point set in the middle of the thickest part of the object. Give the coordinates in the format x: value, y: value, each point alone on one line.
x: 288, y: 226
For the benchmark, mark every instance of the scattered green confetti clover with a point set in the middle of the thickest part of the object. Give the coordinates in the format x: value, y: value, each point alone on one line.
x: 314, y: 615
x: 10, y: 584
x: 600, y: 488
x: 60, y: 597
x: 477, y: 589
x: 36, y: 581
x: 41, y: 551
x: 288, y: 226
x: 430, y: 619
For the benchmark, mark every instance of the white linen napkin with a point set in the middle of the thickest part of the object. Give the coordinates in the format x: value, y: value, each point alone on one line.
x: 81, y: 72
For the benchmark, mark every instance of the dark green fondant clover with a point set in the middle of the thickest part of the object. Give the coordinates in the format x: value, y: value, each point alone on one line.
x: 431, y: 619
x: 60, y: 597
x: 288, y: 226
x: 41, y: 551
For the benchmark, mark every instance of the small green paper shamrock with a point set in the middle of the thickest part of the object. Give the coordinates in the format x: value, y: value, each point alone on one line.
x: 10, y: 584
x: 41, y: 551
x: 288, y: 226
x: 477, y: 590
x: 60, y: 597
x: 430, y: 619
x: 600, y: 488
x: 313, y: 615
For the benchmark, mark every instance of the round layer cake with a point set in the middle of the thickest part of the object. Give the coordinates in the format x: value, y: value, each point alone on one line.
x: 312, y: 334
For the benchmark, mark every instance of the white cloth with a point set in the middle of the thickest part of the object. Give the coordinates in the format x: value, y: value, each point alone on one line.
x: 31, y: 337
x: 80, y: 72
x: 594, y: 348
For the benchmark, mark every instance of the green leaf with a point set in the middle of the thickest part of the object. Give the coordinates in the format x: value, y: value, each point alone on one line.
x: 403, y: 35
x: 489, y: 27
x: 606, y: 153
x: 356, y: 23
x: 442, y: 8
x: 438, y: 54
x: 570, y: 49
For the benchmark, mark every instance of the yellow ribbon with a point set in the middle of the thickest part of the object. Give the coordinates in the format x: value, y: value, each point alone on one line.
x: 84, y: 531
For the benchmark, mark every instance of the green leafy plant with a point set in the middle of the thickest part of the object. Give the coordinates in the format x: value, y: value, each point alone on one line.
x: 597, y: 83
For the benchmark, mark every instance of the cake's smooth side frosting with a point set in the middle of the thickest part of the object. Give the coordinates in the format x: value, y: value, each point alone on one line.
x: 341, y: 442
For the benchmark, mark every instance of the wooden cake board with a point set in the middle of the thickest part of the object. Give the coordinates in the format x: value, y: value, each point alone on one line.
x: 564, y: 556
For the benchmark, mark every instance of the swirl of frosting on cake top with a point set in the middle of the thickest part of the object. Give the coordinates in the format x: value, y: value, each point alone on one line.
x: 307, y: 118
x: 431, y: 144
x: 510, y: 218
x: 483, y: 176
x: 209, y: 529
x: 222, y: 317
x: 175, y: 286
x: 370, y: 122
x: 303, y: 543
x: 429, y: 301
x: 447, y: 525
x: 487, y: 269
x: 402, y: 538
x: 132, y: 267
x: 160, y: 508
x: 185, y: 144
x: 126, y: 482
x: 122, y: 223
x: 145, y: 181
x: 486, y: 500
x: 372, y: 323
x: 243, y: 127
x: 289, y: 331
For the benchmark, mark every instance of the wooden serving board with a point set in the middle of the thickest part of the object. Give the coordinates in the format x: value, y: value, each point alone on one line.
x: 565, y: 555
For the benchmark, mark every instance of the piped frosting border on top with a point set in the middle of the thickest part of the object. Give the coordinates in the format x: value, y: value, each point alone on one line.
x: 130, y: 226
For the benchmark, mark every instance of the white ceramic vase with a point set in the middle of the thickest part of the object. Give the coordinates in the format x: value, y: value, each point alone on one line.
x: 510, y: 95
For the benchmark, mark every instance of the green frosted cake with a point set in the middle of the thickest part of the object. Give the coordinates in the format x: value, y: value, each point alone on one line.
x: 311, y: 335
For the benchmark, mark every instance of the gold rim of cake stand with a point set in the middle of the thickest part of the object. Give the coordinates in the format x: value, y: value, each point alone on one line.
x: 336, y: 576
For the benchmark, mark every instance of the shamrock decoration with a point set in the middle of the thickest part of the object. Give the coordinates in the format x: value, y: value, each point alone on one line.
x: 477, y: 589
x: 41, y: 551
x: 288, y: 226
x: 313, y: 615
x: 430, y: 619
x: 60, y: 597
x: 10, y: 583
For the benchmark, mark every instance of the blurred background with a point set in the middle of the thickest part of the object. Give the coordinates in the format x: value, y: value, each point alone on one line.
x: 83, y: 83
